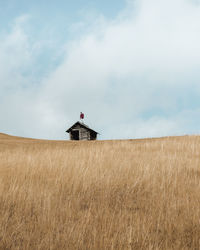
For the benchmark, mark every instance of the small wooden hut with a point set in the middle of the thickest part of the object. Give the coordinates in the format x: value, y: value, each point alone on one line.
x: 80, y: 132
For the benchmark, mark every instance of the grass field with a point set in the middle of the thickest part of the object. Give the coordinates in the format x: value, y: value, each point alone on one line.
x: 128, y: 194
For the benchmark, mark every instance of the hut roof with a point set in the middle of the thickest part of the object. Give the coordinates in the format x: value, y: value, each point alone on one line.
x: 82, y: 125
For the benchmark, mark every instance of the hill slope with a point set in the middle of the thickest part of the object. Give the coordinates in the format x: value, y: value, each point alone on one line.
x: 128, y: 194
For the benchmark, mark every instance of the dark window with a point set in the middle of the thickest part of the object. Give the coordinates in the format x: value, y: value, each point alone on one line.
x: 75, y: 135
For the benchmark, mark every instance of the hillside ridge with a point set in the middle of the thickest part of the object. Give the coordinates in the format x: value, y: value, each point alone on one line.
x: 14, y: 137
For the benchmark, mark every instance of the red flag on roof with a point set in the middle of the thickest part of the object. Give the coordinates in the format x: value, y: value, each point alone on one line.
x: 81, y: 116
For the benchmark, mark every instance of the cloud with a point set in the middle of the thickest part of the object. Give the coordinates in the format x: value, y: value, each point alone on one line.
x: 134, y: 76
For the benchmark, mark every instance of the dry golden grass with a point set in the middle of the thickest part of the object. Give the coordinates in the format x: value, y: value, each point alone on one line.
x: 131, y: 194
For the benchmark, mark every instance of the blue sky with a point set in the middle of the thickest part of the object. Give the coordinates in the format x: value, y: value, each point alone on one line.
x: 55, y: 17
x: 131, y: 66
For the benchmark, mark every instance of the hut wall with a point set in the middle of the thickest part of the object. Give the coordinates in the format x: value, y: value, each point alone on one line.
x: 93, y: 136
x: 84, y: 134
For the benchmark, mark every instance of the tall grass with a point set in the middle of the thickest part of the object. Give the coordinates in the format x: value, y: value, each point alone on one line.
x: 134, y: 194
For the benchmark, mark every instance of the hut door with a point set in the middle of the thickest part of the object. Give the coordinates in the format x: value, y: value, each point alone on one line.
x: 75, y: 135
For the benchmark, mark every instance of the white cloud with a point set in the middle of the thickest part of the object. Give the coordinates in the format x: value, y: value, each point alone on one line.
x: 144, y: 60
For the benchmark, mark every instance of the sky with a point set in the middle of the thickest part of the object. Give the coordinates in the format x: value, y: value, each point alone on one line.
x: 132, y: 66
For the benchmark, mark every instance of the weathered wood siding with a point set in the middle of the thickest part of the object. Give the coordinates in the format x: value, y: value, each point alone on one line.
x: 84, y: 134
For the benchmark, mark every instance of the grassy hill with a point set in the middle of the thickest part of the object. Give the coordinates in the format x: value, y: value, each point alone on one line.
x: 124, y: 194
